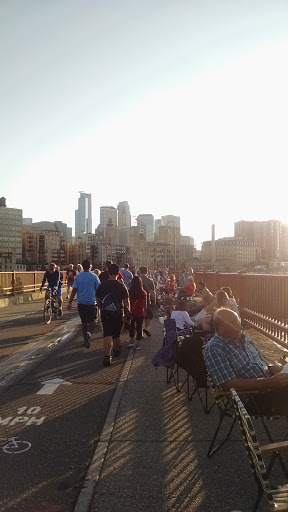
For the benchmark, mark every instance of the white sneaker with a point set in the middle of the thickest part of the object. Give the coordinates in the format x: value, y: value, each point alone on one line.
x: 131, y: 345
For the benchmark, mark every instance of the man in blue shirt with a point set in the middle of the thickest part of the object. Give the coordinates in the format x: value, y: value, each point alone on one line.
x: 234, y: 362
x: 52, y: 276
x: 85, y: 285
x: 127, y: 275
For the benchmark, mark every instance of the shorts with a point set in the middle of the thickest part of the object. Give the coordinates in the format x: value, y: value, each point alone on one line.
x: 87, y: 313
x: 112, y: 326
x: 58, y: 291
x: 149, y: 312
x: 69, y: 284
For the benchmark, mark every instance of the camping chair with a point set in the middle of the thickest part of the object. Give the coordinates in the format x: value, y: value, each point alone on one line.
x: 189, y: 357
x: 166, y: 356
x: 227, y: 410
x: 277, y: 497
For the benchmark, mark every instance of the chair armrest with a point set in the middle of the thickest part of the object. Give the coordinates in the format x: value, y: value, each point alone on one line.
x: 275, y: 447
x: 227, y: 393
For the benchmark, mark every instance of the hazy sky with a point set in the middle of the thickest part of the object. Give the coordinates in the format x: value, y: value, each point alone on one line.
x: 177, y: 106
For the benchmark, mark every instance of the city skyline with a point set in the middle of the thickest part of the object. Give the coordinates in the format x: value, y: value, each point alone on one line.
x: 190, y: 121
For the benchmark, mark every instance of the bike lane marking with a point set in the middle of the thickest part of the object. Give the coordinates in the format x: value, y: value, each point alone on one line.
x: 51, y: 385
x: 71, y: 421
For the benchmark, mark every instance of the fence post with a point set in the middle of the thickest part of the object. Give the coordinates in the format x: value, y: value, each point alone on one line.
x: 35, y: 281
x: 13, y: 282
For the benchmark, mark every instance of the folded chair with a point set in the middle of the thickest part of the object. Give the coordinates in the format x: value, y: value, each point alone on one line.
x: 226, y: 409
x: 277, y: 496
x: 189, y: 357
x: 166, y: 355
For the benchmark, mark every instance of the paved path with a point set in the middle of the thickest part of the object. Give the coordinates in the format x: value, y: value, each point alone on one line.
x: 156, y: 460
x: 156, y: 455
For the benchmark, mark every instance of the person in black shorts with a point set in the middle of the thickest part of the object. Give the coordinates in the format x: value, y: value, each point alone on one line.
x: 112, y: 299
x: 85, y: 286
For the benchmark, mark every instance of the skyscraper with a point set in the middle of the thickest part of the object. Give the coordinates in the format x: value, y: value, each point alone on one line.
x: 145, y: 222
x: 168, y: 220
x: 83, y: 216
x: 108, y: 215
x: 124, y: 216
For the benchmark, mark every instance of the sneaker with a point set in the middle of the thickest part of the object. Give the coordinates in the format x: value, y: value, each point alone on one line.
x: 147, y: 333
x: 86, y: 340
x: 117, y: 352
x: 131, y: 345
x: 107, y: 360
x: 137, y: 347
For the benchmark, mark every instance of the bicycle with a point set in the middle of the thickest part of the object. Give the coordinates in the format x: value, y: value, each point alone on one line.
x: 51, y: 307
x: 14, y: 445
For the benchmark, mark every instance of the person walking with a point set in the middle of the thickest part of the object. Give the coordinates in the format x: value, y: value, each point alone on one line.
x: 112, y: 299
x: 138, y: 305
x: 127, y: 275
x: 85, y: 286
x: 149, y: 288
x: 71, y: 274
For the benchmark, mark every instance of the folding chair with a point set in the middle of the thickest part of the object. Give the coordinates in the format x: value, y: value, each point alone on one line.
x: 190, y: 358
x: 226, y: 409
x: 166, y: 356
x: 277, y: 496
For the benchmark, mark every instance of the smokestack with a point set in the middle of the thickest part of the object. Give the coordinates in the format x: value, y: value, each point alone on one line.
x: 213, y: 248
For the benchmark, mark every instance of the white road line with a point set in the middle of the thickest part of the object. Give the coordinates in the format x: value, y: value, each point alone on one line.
x: 88, y: 490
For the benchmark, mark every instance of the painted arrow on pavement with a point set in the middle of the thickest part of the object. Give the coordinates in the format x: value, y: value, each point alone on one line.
x: 50, y: 386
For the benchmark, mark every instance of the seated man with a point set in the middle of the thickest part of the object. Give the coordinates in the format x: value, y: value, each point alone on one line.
x: 234, y: 362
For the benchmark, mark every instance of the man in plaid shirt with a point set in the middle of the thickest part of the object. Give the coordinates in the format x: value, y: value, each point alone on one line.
x: 233, y: 361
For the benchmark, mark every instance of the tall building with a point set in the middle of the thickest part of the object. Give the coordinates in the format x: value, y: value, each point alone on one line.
x: 124, y: 216
x: 63, y: 228
x: 158, y: 223
x: 171, y: 220
x: 270, y: 237
x: 83, y: 216
x: 108, y: 215
x: 10, y: 237
x: 145, y: 222
x: 231, y: 254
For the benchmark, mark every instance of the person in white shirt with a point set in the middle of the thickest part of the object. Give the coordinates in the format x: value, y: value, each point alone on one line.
x: 181, y: 316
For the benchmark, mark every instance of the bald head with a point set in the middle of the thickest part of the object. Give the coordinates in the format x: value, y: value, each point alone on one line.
x: 227, y: 323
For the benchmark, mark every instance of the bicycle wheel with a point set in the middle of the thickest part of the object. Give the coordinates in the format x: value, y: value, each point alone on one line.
x: 47, y: 312
x: 16, y: 446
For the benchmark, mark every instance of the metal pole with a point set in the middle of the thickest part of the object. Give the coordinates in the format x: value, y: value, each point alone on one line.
x: 174, y: 241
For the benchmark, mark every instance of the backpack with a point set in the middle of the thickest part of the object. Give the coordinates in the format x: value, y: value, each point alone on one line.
x: 111, y: 305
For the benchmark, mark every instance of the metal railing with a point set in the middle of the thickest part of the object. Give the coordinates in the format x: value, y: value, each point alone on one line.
x: 13, y: 283
x: 262, y: 299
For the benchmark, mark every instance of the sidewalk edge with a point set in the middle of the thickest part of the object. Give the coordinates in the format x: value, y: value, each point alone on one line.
x: 87, y: 492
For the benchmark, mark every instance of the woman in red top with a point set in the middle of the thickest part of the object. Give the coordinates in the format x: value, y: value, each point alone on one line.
x: 138, y: 305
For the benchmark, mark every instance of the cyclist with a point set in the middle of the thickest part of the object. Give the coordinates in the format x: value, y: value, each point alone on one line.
x: 52, y: 276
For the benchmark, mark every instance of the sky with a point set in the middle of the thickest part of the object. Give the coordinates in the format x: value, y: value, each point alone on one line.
x: 176, y: 106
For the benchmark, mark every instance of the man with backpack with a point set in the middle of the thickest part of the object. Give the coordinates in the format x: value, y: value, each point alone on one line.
x: 112, y: 299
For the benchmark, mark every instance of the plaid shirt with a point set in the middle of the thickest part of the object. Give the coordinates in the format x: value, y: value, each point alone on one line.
x: 227, y: 359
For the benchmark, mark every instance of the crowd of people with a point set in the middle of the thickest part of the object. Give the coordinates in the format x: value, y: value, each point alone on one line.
x: 122, y: 296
